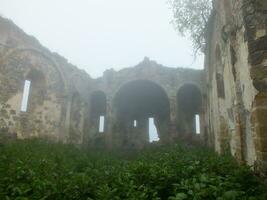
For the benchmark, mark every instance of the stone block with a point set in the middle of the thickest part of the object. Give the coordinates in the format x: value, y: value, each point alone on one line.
x: 261, y: 5
x: 259, y: 72
x: 262, y: 155
x: 257, y: 57
x: 261, y: 144
x: 258, y: 45
x: 262, y: 167
x: 261, y: 130
x: 260, y: 100
x: 261, y: 116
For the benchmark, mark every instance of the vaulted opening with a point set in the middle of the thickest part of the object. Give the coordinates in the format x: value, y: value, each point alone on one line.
x: 189, y: 103
x: 139, y: 102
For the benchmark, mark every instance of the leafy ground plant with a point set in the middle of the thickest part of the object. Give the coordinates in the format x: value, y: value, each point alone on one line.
x: 38, y: 169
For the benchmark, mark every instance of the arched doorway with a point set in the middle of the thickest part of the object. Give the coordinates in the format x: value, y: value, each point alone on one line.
x: 136, y: 104
x: 189, y: 101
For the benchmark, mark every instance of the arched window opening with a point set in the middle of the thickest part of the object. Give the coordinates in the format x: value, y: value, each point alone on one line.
x: 189, y: 101
x: 101, y: 128
x: 197, y: 124
x: 135, y: 123
x: 34, y: 90
x: 98, y: 111
x: 153, y: 132
x: 25, y: 96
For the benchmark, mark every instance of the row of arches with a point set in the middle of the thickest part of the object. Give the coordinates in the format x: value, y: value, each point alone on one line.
x: 141, y: 109
x: 141, y: 112
x: 138, y: 107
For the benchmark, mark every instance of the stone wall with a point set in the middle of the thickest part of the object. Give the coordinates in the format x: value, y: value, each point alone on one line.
x: 53, y: 88
x: 65, y: 104
x: 235, y: 69
x: 164, y: 80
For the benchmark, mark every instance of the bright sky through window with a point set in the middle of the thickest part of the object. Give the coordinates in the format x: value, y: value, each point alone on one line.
x: 25, y: 97
x: 197, y: 124
x: 135, y: 123
x: 101, y: 124
x: 153, y: 133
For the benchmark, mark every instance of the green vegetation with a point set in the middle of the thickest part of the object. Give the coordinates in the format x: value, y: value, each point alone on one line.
x: 41, y: 170
x: 190, y: 18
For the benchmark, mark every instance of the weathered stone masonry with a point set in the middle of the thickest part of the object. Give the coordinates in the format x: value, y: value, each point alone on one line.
x: 230, y: 94
x: 148, y: 90
x: 54, y: 85
x: 235, y: 67
x: 65, y: 103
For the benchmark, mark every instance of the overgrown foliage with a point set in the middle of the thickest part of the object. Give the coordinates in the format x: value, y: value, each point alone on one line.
x: 41, y: 170
x: 190, y: 18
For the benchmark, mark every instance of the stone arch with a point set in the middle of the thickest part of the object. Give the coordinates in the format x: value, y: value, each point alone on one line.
x: 194, y: 84
x: 189, y: 104
x: 46, y: 119
x: 11, y: 52
x: 139, y: 100
x: 79, y: 84
x: 156, y: 81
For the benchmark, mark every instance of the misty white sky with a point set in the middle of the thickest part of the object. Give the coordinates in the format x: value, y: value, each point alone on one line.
x: 97, y: 35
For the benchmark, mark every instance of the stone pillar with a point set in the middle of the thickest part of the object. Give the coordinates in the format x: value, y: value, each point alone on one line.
x: 203, y: 129
x: 66, y: 132
x: 82, y: 121
x: 172, y: 129
x: 143, y: 127
x: 110, y: 123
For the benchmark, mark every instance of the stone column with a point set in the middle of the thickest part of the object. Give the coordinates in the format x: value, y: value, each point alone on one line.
x: 172, y: 129
x: 82, y: 121
x: 64, y: 137
x: 109, y: 124
x: 142, y: 134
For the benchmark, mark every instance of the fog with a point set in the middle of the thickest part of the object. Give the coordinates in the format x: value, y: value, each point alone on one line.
x: 96, y: 35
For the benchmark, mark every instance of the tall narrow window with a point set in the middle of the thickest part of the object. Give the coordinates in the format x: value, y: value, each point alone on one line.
x: 25, y: 97
x: 153, y: 133
x: 197, y: 124
x: 135, y: 123
x: 101, y: 124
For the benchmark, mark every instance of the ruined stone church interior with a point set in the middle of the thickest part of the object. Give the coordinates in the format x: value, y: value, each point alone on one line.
x: 223, y: 106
